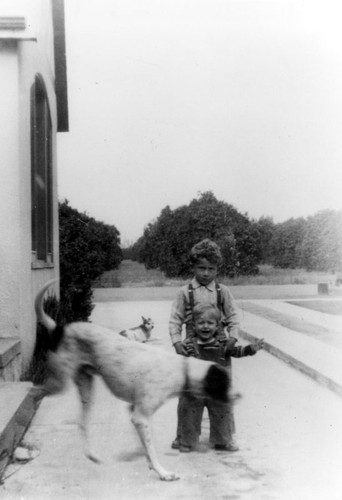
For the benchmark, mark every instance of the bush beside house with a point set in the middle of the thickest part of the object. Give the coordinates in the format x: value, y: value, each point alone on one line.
x: 87, y: 249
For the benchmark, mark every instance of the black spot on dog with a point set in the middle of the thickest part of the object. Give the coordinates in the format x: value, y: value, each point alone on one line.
x: 217, y: 383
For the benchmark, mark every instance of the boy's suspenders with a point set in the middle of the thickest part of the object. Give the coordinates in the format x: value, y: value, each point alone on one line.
x: 219, y: 296
x: 191, y: 297
x: 220, y: 353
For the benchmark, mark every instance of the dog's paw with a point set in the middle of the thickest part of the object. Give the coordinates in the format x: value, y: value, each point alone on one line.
x: 169, y: 477
x: 234, y: 398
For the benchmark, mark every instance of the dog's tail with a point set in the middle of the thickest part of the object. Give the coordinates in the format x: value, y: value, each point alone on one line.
x: 44, y: 318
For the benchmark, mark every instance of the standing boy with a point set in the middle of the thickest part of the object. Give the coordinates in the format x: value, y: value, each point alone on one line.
x: 204, y: 344
x: 205, y: 258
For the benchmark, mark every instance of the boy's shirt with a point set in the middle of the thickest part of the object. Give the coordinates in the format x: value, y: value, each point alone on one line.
x: 181, y: 309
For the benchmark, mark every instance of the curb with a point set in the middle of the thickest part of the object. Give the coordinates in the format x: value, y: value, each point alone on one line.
x: 17, y: 418
x: 295, y: 363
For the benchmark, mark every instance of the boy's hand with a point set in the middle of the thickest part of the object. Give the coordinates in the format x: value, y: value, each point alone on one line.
x: 180, y: 349
x: 256, y: 346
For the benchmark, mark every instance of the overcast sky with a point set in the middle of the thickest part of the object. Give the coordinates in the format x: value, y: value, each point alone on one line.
x: 169, y: 98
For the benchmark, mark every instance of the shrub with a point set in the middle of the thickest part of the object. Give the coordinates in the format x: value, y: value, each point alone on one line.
x: 87, y: 249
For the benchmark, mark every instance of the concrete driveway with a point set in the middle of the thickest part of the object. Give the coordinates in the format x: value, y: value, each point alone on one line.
x: 289, y: 430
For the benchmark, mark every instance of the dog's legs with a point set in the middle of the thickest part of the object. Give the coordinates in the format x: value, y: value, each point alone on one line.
x: 143, y: 427
x: 84, y: 381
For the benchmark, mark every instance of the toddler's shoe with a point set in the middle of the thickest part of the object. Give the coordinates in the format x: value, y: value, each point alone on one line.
x: 175, y: 444
x: 184, y: 448
x: 232, y: 446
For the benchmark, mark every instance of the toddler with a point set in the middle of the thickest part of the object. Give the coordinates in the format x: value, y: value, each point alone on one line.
x: 204, y: 344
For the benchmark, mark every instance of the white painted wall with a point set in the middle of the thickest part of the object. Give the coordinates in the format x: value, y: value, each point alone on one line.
x: 9, y: 206
x: 20, y: 61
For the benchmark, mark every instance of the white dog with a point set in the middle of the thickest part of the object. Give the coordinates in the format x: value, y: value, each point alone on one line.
x: 145, y: 376
x: 141, y: 333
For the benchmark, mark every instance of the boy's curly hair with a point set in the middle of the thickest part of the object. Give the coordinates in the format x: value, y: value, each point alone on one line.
x: 206, y: 249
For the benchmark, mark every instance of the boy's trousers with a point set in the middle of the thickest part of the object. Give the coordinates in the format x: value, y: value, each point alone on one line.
x: 220, y: 417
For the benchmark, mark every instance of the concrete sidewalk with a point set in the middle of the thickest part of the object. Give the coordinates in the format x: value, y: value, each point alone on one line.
x: 317, y: 359
x: 18, y: 407
x: 329, y: 322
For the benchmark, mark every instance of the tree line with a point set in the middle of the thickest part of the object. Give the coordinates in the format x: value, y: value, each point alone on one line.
x: 313, y: 243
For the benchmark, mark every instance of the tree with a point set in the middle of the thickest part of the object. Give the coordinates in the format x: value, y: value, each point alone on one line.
x: 286, y: 243
x: 166, y: 242
x: 264, y: 231
x: 87, y: 249
x: 322, y: 243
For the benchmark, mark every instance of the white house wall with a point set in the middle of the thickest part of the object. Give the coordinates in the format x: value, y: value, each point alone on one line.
x: 9, y: 207
x: 20, y: 61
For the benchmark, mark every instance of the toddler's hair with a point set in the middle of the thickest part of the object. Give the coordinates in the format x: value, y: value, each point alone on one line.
x: 204, y: 307
x: 206, y: 249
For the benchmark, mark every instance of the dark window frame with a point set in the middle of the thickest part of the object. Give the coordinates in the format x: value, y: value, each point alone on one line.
x: 41, y: 177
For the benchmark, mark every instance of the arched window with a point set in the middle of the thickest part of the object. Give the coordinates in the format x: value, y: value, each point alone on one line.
x: 41, y: 176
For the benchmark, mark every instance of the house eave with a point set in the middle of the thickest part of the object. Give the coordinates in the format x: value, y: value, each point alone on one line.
x: 61, y: 87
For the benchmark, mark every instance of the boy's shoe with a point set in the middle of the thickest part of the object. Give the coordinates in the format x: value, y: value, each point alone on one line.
x: 184, y: 448
x: 232, y: 446
x: 175, y: 444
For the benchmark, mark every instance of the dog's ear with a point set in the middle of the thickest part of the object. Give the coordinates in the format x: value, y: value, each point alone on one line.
x: 217, y: 383
x: 144, y: 319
